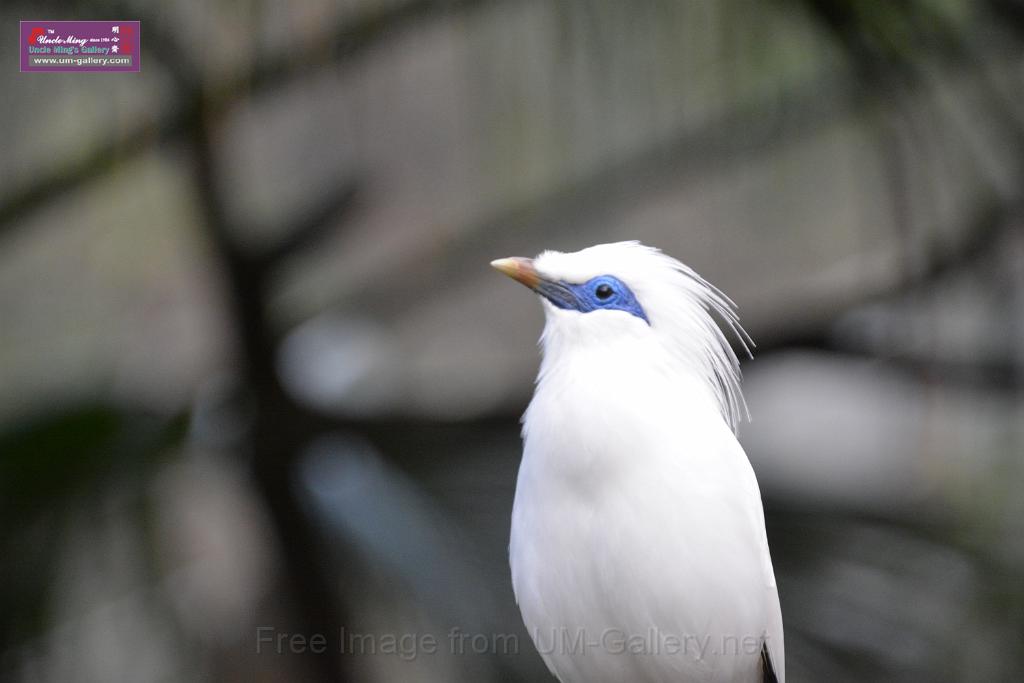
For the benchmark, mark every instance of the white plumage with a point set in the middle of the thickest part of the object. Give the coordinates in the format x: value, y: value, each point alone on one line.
x: 638, y: 546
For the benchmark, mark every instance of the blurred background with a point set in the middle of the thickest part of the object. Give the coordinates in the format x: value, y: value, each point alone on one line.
x: 259, y: 379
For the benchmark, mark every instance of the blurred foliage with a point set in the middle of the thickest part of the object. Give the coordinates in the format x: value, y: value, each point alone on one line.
x: 61, y: 467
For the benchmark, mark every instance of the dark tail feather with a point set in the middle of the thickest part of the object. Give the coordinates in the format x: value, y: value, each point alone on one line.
x: 767, y: 668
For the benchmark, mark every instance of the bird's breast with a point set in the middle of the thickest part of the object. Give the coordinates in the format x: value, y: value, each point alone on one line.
x: 628, y: 515
x: 596, y: 416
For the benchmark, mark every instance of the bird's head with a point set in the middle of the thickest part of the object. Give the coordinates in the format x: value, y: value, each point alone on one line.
x: 626, y: 292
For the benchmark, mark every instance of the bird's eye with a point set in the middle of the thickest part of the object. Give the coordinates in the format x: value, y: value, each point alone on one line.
x: 604, y: 292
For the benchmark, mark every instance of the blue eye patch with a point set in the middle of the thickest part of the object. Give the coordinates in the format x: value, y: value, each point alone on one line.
x: 604, y: 292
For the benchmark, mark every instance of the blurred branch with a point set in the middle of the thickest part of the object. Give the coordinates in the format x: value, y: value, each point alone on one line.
x: 1011, y: 12
x: 757, y: 127
x: 83, y: 170
x: 276, y: 434
x: 893, y: 47
x: 339, y: 46
x: 349, y: 39
x: 983, y: 235
x: 308, y: 229
x: 280, y: 428
x: 884, y: 73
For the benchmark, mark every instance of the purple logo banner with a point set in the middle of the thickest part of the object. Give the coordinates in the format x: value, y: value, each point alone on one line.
x: 80, y: 46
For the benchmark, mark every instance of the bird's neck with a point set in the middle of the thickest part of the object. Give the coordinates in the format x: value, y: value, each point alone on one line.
x: 625, y: 369
x: 601, y: 415
x: 688, y: 350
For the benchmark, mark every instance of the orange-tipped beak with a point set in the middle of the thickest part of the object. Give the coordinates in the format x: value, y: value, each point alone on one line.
x: 519, y: 269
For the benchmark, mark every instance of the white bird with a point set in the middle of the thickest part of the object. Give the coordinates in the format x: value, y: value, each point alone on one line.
x: 638, y: 547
